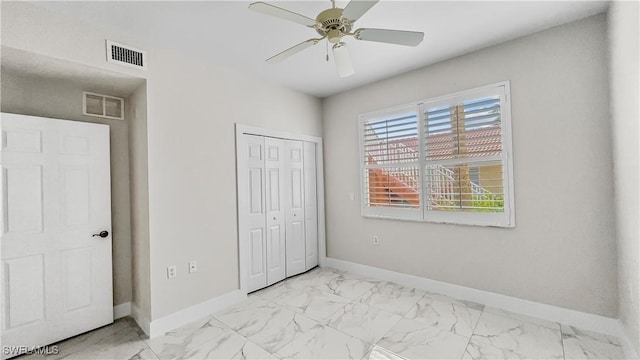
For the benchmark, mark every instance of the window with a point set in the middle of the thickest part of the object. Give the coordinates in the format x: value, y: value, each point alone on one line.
x: 442, y: 160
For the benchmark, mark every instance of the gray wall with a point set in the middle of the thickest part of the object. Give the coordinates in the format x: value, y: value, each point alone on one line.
x: 139, y: 187
x: 562, y: 251
x: 191, y: 110
x: 193, y: 107
x: 61, y: 99
x: 625, y: 110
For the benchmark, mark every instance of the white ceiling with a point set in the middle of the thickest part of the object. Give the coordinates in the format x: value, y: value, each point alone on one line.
x: 227, y: 32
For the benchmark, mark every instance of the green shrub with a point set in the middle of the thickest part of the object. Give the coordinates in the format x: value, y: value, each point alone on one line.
x: 480, y: 203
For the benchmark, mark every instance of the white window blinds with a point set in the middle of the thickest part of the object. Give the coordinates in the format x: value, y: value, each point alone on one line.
x: 463, y: 156
x: 391, y: 159
x: 442, y: 160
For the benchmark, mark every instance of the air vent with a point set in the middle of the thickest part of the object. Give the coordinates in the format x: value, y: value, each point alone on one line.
x: 126, y: 55
x: 103, y: 106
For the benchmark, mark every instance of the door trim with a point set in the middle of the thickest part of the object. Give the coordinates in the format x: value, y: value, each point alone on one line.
x: 242, y: 129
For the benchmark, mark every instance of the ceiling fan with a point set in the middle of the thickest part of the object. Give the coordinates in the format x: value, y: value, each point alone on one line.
x: 333, y: 24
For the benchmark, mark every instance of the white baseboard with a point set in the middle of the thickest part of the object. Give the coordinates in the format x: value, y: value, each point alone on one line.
x: 569, y: 317
x: 121, y: 310
x: 140, y: 319
x: 167, y: 323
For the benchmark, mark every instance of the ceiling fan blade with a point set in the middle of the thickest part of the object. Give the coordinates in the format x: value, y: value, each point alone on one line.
x: 356, y: 8
x: 343, y: 60
x: 291, y: 51
x: 399, y: 37
x: 281, y: 13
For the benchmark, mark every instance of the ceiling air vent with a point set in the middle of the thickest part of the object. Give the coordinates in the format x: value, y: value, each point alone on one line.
x: 126, y: 55
x: 103, y: 106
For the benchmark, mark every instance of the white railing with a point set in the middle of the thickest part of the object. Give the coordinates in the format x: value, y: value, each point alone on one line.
x: 442, y: 181
x: 479, y: 190
x: 397, y: 152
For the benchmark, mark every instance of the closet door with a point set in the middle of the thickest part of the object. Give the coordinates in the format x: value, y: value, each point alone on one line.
x: 310, y: 205
x: 294, y: 207
x: 274, y: 170
x: 251, y: 199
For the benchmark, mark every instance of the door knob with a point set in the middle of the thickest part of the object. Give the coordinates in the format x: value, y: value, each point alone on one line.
x: 102, y: 234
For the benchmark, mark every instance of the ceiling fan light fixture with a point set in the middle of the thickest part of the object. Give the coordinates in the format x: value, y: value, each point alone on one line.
x: 343, y: 60
x: 334, y: 36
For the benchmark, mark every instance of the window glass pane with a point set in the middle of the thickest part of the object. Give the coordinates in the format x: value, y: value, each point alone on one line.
x: 393, y: 187
x: 474, y: 187
x: 466, y: 130
x: 391, y: 140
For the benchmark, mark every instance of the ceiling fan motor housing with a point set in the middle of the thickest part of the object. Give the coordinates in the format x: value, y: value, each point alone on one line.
x: 334, y: 26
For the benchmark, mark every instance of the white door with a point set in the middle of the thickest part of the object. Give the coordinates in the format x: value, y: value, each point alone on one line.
x: 294, y: 207
x: 310, y: 205
x: 56, y: 276
x: 274, y: 168
x: 251, y: 207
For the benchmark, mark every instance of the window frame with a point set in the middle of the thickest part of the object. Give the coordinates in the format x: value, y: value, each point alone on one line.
x: 387, y: 212
x: 504, y: 219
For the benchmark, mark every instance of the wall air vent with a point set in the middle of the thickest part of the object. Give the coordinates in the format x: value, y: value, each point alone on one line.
x: 103, y: 106
x: 126, y: 55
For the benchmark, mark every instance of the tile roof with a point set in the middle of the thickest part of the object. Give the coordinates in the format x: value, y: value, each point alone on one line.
x: 479, y: 143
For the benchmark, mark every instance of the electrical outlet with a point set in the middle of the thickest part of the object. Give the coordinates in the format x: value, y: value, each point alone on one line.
x: 376, y: 240
x: 172, y: 272
x: 193, y: 266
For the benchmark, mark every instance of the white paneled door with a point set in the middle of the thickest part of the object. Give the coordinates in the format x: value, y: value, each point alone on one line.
x: 56, y: 275
x: 294, y: 206
x: 277, y: 209
x: 275, y: 217
x: 251, y: 202
x: 310, y: 205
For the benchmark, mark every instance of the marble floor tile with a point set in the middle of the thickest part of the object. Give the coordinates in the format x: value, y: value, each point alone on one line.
x: 442, y: 311
x: 181, y: 341
x: 392, y: 297
x: 315, y: 304
x: 364, y: 322
x: 583, y: 344
x: 349, y: 287
x: 254, y: 312
x: 500, y: 337
x: 378, y: 353
x: 269, y: 325
x: 122, y: 331
x: 412, y: 339
x: 271, y: 292
x: 331, y: 314
x: 251, y: 351
x: 229, y: 345
x: 318, y: 273
x: 317, y: 277
x: 530, y: 319
x: 323, y: 342
x: 343, y: 284
x: 131, y: 349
